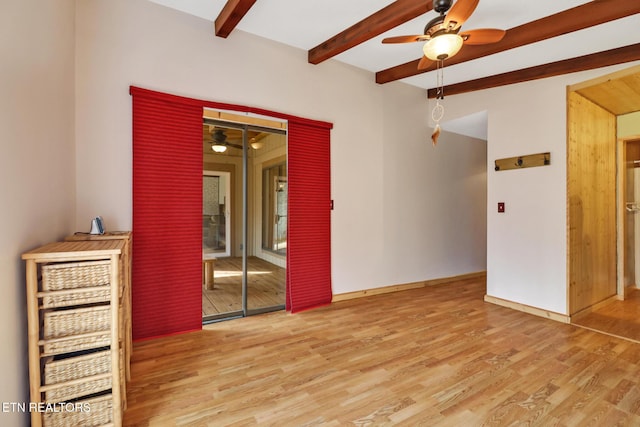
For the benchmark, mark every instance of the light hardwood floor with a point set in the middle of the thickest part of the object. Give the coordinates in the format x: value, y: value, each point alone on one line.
x: 618, y: 318
x: 265, y: 283
x: 436, y: 356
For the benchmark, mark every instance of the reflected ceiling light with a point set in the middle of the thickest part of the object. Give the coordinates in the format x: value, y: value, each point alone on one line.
x: 256, y: 145
x: 219, y: 138
x: 442, y: 46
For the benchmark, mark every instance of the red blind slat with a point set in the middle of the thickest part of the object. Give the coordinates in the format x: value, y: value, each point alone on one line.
x: 309, y: 217
x: 167, y: 211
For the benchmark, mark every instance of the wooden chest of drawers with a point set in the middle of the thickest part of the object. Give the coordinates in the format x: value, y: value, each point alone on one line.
x: 77, y: 333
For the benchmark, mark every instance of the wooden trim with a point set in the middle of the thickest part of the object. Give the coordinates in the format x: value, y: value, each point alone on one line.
x: 33, y: 336
x: 376, y: 291
x: 584, y: 16
x: 117, y: 390
x: 385, y: 19
x: 621, y: 227
x: 528, y: 309
x: 407, y: 286
x: 265, y: 122
x: 567, y: 193
x: 230, y: 15
x: 581, y: 63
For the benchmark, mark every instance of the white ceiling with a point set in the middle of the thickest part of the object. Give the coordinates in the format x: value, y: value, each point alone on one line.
x: 307, y: 23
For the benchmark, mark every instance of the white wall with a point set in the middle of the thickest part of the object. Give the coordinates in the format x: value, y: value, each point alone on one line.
x: 36, y: 164
x: 388, y: 184
x: 526, y: 245
x: 629, y: 125
x: 434, y: 198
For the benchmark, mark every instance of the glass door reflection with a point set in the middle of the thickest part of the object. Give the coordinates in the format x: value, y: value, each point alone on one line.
x: 216, y: 223
x: 280, y: 235
x: 244, y: 236
x: 266, y: 261
x: 222, y: 294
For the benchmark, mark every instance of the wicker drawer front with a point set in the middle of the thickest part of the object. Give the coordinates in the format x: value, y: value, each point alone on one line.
x: 73, y: 368
x: 78, y: 321
x: 65, y: 393
x: 77, y: 343
x: 82, y: 296
x: 99, y: 413
x: 75, y: 275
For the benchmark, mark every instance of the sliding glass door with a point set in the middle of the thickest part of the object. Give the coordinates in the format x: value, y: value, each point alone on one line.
x: 266, y: 278
x: 243, y: 204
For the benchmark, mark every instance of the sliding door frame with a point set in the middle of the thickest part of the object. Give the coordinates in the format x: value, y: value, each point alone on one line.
x: 244, y: 203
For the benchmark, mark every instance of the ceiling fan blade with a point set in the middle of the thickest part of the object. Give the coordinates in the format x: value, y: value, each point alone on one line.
x: 483, y: 36
x: 405, y: 39
x: 459, y: 13
x: 424, y: 63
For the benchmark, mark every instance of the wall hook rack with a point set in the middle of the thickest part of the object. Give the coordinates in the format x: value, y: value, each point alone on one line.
x: 521, y: 162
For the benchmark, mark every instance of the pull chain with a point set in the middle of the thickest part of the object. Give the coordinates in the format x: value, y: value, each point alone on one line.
x: 440, y: 79
x: 438, y: 111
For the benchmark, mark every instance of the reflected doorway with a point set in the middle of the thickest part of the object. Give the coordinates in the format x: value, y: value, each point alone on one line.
x: 274, y: 208
x: 216, y: 221
x: 243, y: 274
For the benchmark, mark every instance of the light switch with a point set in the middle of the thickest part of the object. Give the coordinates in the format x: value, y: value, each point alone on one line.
x: 501, y: 207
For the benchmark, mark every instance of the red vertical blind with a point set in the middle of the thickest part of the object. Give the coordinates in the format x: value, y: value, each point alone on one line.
x: 167, y: 211
x: 167, y: 216
x: 309, y: 216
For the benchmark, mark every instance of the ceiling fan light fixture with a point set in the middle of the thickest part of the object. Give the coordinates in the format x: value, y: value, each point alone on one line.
x: 219, y: 148
x: 442, y: 46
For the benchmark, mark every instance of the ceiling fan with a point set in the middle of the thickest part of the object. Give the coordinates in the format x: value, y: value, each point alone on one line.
x: 442, y: 34
x: 218, y: 140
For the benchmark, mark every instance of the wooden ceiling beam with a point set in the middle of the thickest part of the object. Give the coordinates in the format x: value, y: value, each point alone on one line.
x: 230, y: 15
x: 383, y: 20
x: 587, y: 15
x: 581, y: 63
